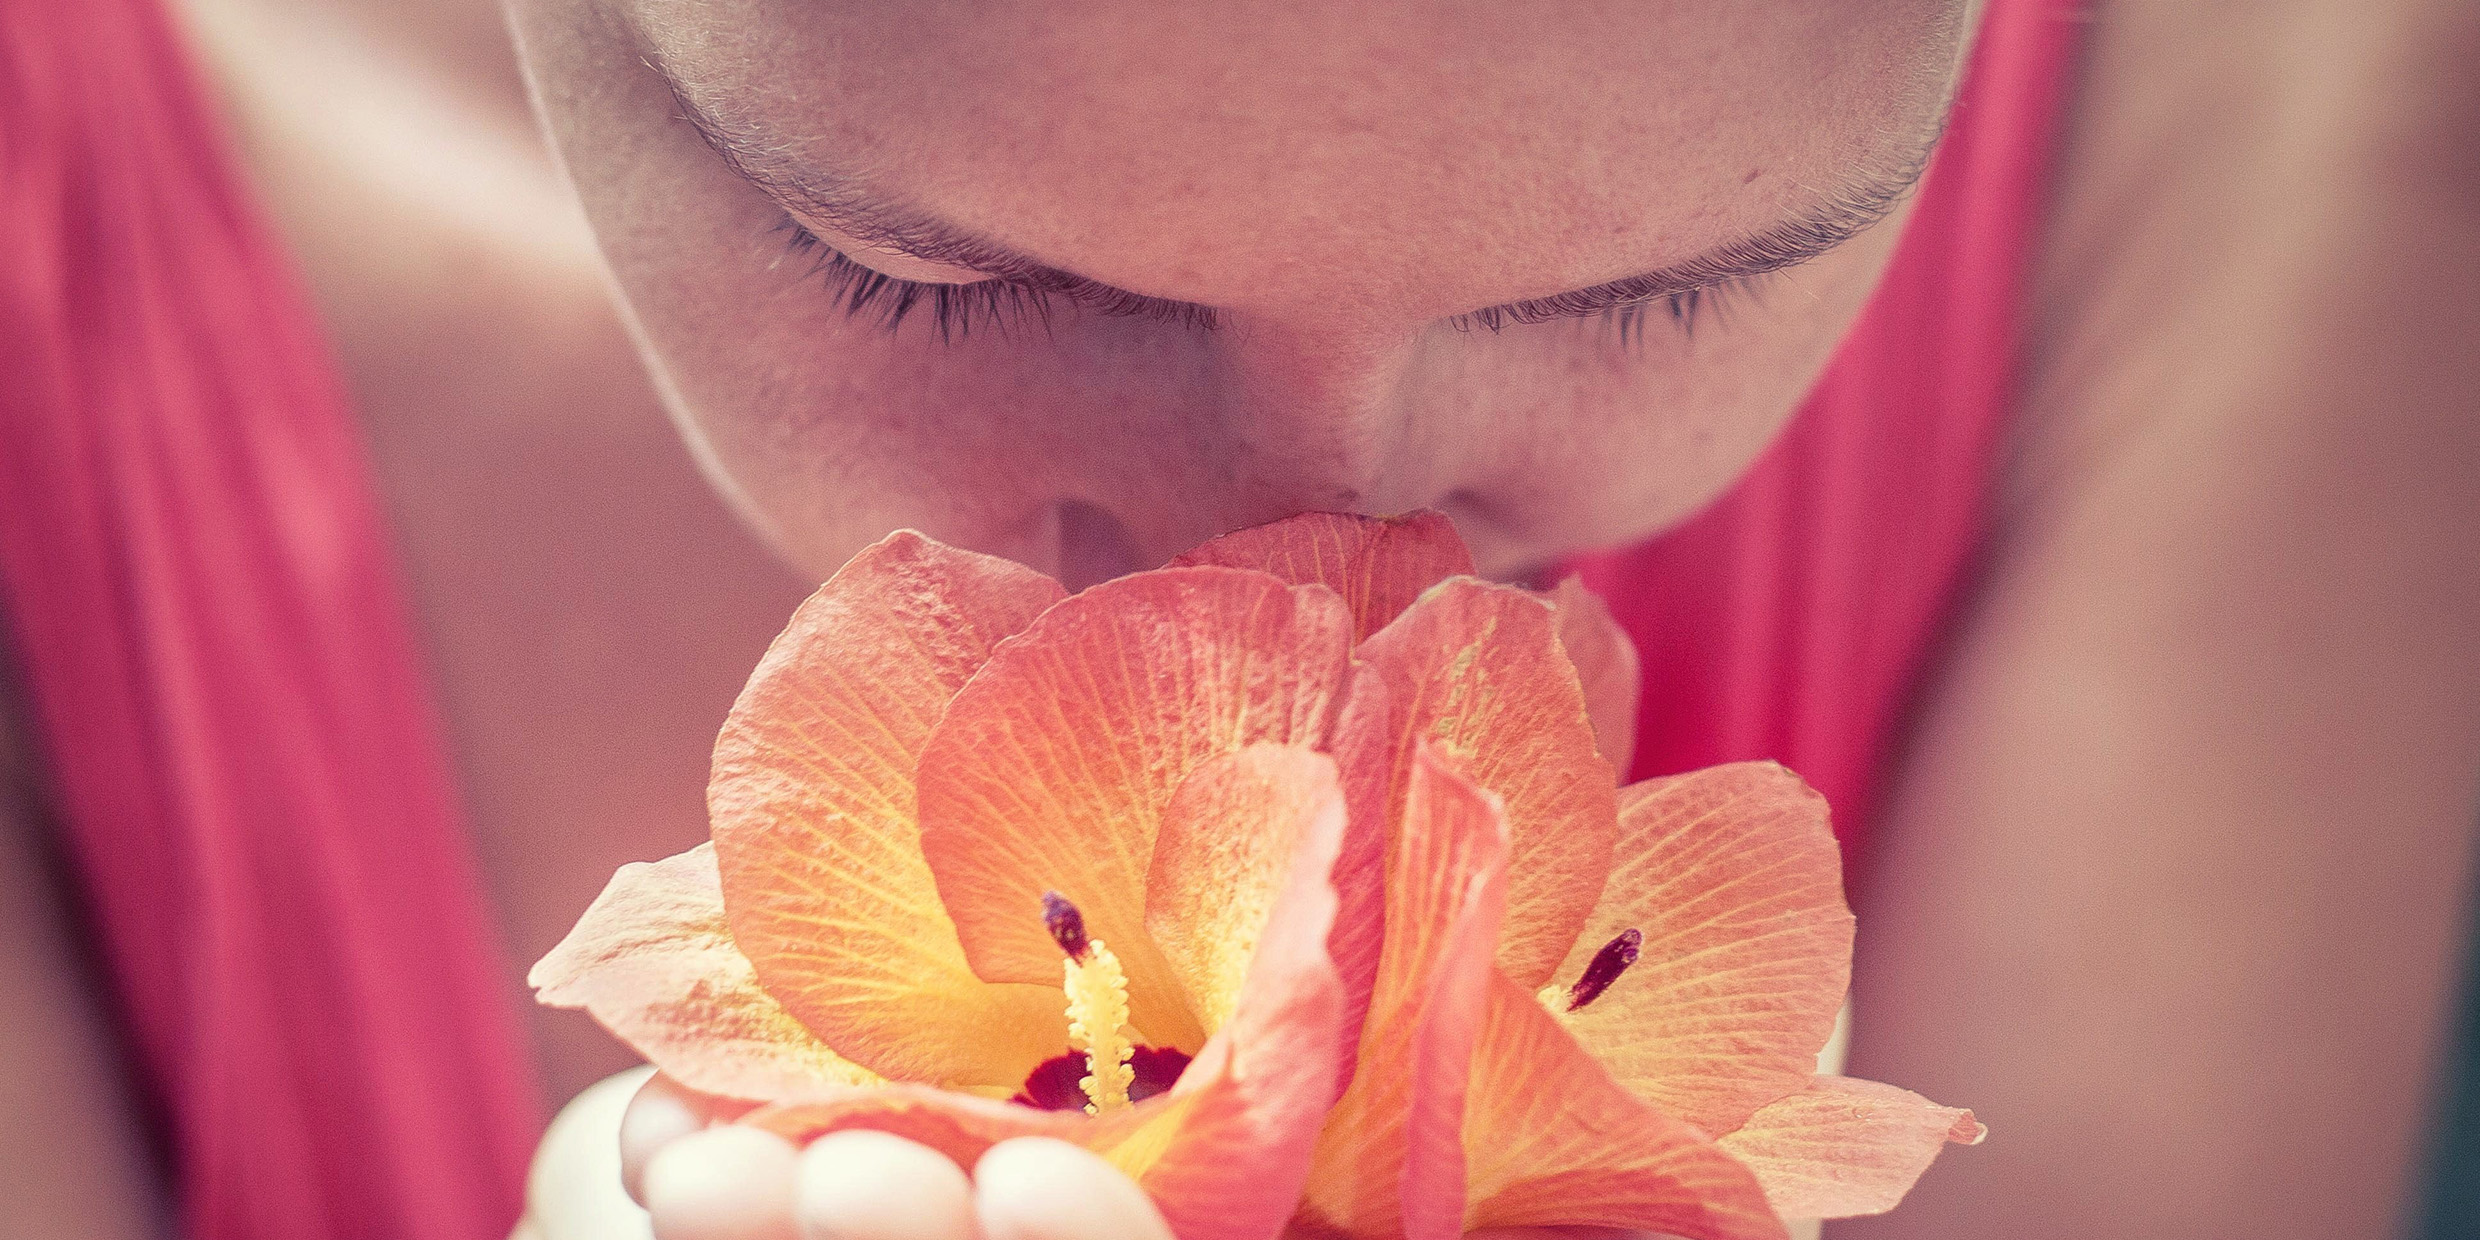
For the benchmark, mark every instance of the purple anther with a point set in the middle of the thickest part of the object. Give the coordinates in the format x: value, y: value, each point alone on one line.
x: 1067, y: 925
x: 1608, y: 963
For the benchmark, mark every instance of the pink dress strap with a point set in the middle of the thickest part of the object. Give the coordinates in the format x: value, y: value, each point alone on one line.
x: 220, y: 681
x: 1791, y: 620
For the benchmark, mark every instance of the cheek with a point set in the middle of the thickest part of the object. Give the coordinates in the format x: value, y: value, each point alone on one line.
x: 1595, y: 446
x: 825, y: 431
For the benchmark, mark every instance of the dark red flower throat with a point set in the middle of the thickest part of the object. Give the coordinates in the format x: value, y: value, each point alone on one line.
x: 1053, y: 1085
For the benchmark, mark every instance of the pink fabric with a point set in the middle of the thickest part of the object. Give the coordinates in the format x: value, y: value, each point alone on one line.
x: 232, y: 714
x: 1790, y: 620
x: 218, y: 672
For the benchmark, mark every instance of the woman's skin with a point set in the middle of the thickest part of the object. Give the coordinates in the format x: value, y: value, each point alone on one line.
x: 1335, y: 184
x: 2175, y: 864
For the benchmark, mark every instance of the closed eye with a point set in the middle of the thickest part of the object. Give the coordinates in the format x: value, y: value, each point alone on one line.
x: 1010, y: 304
x: 1003, y: 304
x: 1682, y: 307
x: 1021, y: 290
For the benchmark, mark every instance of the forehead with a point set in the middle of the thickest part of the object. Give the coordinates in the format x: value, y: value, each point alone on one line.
x: 1245, y: 151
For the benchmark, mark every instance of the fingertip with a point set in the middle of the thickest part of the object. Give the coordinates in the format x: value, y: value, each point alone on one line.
x: 661, y: 1112
x: 865, y: 1185
x: 1038, y: 1188
x: 724, y: 1183
x: 573, y: 1186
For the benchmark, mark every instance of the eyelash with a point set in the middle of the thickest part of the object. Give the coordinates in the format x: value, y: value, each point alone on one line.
x: 958, y: 310
x: 1004, y: 305
x: 1684, y: 309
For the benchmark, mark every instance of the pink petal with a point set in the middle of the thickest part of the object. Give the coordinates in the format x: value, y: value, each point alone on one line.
x: 1052, y: 767
x: 1261, y: 1090
x: 1733, y: 878
x: 1227, y: 842
x: 1606, y: 663
x: 1552, y: 1141
x: 1225, y: 1152
x: 812, y: 806
x: 1360, y: 872
x: 1390, y: 1161
x: 653, y: 962
x: 1378, y: 564
x: 1478, y: 669
x: 1445, y: 1039
x: 1843, y: 1147
x: 960, y: 1126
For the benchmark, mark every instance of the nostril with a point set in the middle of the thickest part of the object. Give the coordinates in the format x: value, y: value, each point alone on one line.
x: 1094, y: 546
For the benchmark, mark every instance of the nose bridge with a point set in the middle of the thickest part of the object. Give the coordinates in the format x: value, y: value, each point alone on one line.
x: 1326, y: 420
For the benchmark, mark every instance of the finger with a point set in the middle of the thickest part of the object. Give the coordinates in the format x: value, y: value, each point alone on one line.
x: 664, y: 1111
x: 572, y: 1191
x: 723, y: 1183
x: 863, y: 1185
x: 1035, y: 1188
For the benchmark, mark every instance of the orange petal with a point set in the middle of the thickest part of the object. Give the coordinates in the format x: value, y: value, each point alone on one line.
x: 1261, y: 1089
x: 960, y: 1126
x: 1389, y: 1161
x: 1443, y: 1043
x: 1378, y: 564
x: 1051, y: 769
x: 1224, y: 1153
x: 1606, y: 663
x: 1732, y: 876
x: 1550, y: 1140
x: 1360, y: 871
x: 1228, y: 838
x: 1478, y: 668
x: 653, y: 962
x: 812, y: 804
x: 1843, y: 1147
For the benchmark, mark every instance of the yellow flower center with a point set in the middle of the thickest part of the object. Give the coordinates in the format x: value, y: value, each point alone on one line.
x: 1097, y: 1007
x: 1097, y: 1011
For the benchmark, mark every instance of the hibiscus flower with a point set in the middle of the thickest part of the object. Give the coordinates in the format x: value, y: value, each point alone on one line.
x: 1292, y: 878
x: 1587, y: 1005
x: 989, y: 861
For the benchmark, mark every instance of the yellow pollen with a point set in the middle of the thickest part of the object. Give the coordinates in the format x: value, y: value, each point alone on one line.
x: 1097, y: 1010
x: 1555, y: 998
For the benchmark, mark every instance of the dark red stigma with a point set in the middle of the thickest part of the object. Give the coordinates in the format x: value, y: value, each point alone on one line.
x: 1608, y: 963
x: 1066, y: 924
x: 1053, y: 1085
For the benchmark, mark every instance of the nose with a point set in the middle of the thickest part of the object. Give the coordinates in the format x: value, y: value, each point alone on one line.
x: 1326, y: 421
x: 1265, y: 421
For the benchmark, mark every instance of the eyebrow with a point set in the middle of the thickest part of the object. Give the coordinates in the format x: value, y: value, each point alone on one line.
x: 843, y: 201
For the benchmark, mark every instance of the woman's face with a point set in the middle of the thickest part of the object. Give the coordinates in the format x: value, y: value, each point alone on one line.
x: 1084, y: 283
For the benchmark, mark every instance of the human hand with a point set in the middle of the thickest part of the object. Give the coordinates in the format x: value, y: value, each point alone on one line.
x: 640, y: 1138
x: 698, y: 1178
